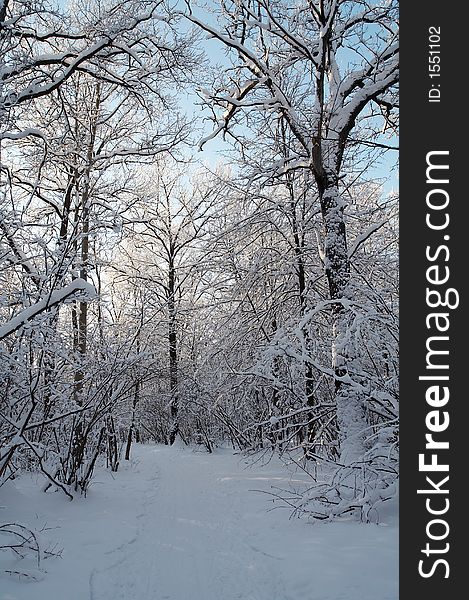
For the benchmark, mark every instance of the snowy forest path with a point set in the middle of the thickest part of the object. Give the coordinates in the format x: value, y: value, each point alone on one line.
x: 176, y: 523
x: 191, y: 541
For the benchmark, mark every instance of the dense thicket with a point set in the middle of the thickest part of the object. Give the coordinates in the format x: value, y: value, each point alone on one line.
x: 147, y: 294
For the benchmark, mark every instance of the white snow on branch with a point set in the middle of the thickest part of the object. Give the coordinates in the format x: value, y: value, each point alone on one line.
x: 363, y: 237
x: 52, y: 299
x: 10, y: 135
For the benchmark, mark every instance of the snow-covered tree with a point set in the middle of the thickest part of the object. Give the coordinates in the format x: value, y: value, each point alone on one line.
x: 84, y: 93
x: 324, y: 69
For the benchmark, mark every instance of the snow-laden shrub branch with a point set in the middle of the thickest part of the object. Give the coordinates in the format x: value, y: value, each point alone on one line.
x: 78, y: 289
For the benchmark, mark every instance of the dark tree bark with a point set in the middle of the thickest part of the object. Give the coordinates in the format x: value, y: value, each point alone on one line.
x: 173, y: 354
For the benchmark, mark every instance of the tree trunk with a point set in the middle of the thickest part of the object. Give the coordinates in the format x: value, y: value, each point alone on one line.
x: 82, y: 316
x: 132, y: 422
x: 309, y: 384
x: 350, y: 415
x: 62, y: 252
x: 82, y: 331
x: 173, y: 356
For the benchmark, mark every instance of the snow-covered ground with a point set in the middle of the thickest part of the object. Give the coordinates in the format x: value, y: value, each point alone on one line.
x: 175, y: 524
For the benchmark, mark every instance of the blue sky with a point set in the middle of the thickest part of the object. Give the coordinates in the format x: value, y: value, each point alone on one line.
x: 213, y: 150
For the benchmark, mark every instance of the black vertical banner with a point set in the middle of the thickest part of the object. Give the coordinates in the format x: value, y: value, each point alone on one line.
x: 434, y: 324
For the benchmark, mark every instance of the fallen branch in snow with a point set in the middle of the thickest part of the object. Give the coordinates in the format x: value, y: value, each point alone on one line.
x: 24, y: 542
x: 21, y: 541
x: 25, y: 575
x: 50, y: 301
